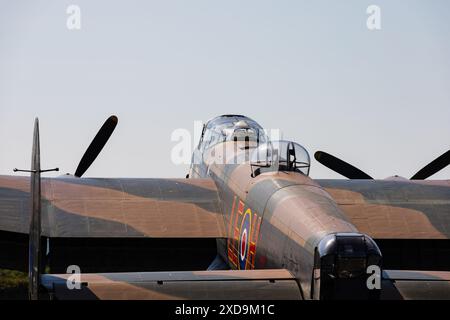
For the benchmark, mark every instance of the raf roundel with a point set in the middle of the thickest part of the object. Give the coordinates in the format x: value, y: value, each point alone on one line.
x: 244, y: 239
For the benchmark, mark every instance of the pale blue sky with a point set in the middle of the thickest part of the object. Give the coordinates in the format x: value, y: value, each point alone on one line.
x: 378, y: 99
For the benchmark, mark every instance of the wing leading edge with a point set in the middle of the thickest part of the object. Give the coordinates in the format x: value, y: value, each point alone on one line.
x: 394, y: 209
x: 156, y: 208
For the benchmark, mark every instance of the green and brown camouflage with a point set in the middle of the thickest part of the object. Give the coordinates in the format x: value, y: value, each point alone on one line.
x: 277, y: 229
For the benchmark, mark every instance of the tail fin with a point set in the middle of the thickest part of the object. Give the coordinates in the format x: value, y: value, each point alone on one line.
x: 34, y: 248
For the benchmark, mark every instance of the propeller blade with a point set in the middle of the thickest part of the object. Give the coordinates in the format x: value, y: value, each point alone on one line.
x: 341, y: 167
x: 96, y: 145
x: 433, y: 167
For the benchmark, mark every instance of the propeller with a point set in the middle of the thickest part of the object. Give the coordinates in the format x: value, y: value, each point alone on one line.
x: 342, y: 167
x: 96, y: 145
x: 351, y: 172
x: 434, y: 166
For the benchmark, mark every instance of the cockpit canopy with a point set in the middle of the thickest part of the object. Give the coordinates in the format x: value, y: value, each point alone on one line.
x: 268, y: 155
x: 280, y: 156
x: 231, y: 128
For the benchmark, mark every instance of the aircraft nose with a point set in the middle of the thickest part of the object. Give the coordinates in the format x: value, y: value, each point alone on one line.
x: 342, y: 265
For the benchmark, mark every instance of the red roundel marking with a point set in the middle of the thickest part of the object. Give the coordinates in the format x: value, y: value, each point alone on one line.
x: 244, y: 239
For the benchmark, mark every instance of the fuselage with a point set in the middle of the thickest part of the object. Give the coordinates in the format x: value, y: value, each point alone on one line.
x: 276, y: 218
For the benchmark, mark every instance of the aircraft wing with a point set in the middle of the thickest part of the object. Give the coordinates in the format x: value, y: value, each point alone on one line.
x: 394, y: 209
x: 222, y: 285
x: 415, y: 285
x: 269, y: 284
x: 115, y: 208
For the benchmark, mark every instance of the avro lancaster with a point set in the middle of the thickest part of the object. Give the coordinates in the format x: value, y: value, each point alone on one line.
x: 247, y: 222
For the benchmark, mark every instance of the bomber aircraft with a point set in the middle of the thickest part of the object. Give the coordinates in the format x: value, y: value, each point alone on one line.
x: 247, y: 222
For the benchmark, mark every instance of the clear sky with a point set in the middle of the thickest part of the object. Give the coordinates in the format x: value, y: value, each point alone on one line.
x: 378, y: 99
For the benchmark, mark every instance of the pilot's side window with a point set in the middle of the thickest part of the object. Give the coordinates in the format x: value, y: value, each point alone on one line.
x: 205, y: 140
x: 215, y: 138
